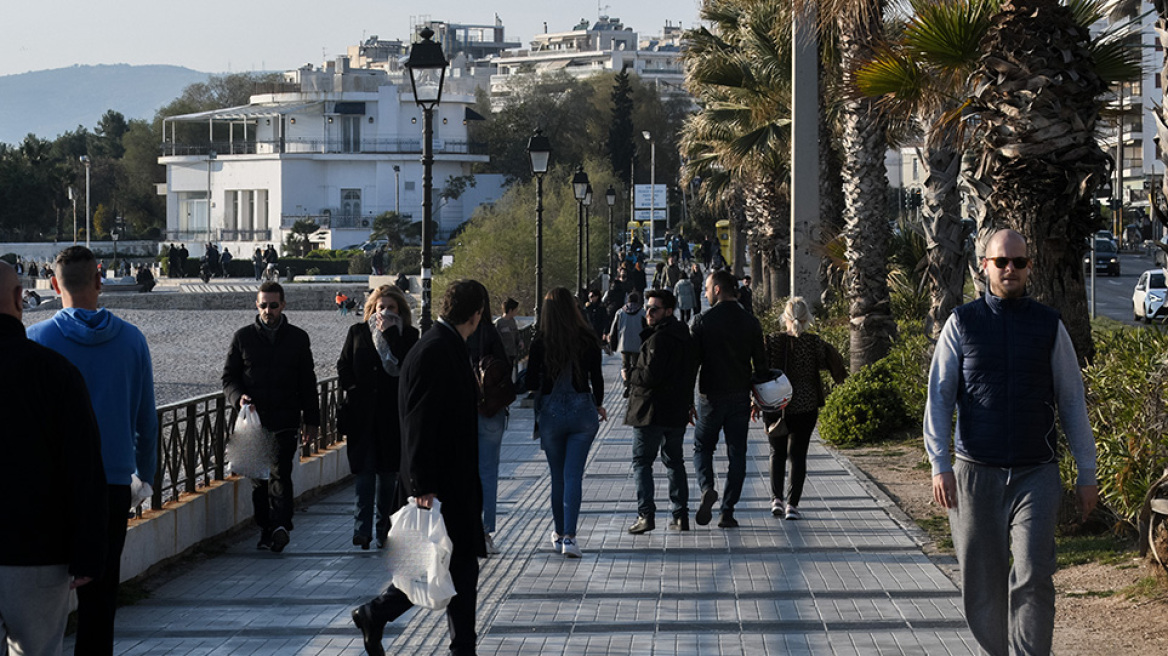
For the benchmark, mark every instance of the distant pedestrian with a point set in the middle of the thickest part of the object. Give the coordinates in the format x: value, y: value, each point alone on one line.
x: 224, y: 261
x: 687, y: 300
x: 746, y: 295
x: 596, y: 314
x: 509, y: 330
x: 257, y: 263
x: 402, y: 282
x: 624, y: 335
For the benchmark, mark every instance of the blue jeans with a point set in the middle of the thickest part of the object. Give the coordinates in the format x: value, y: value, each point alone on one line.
x: 373, y: 485
x: 490, y: 443
x: 567, y: 426
x: 647, y: 440
x: 729, y: 414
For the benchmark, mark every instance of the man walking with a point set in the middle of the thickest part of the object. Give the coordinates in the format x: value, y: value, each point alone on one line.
x: 269, y: 365
x: 115, y: 361
x: 732, y: 355
x: 438, y: 397
x: 660, y: 400
x: 62, y: 528
x: 1005, y: 363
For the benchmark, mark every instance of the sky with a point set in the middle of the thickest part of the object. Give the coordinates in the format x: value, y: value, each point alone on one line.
x: 219, y: 36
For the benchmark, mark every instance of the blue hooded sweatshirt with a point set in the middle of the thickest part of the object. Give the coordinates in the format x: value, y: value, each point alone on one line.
x: 115, y: 361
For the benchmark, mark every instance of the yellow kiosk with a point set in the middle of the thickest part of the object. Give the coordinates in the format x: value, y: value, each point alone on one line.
x: 723, y: 233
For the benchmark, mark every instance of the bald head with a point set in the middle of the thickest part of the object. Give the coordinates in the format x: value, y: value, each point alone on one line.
x: 1007, y: 266
x: 1004, y: 240
x: 11, y: 292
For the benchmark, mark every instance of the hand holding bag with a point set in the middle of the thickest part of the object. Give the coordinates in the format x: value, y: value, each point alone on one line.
x: 418, y: 552
x: 251, y: 450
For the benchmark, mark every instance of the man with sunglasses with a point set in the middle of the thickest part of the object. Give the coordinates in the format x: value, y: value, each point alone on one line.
x: 269, y: 365
x: 661, y: 386
x: 1006, y: 364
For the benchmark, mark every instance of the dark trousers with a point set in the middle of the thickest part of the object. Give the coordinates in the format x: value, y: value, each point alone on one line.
x: 272, y: 499
x: 793, y: 447
x: 647, y: 440
x: 97, y: 601
x: 460, y: 614
x: 728, y: 414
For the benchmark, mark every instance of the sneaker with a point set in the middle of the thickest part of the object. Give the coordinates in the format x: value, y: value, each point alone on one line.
x: 362, y: 541
x: 644, y: 524
x: 265, y: 543
x: 703, y: 515
x: 557, y: 542
x: 777, y: 507
x: 491, y: 548
x: 279, y: 539
x: 793, y: 513
x: 679, y: 523
x: 571, y: 549
x: 727, y: 520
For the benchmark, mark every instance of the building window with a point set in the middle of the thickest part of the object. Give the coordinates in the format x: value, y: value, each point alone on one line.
x: 192, y: 211
x: 351, y: 203
x: 409, y: 185
x: 351, y: 134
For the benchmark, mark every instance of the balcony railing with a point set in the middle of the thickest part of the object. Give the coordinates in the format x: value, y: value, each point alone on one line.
x: 387, y: 146
x: 192, y: 435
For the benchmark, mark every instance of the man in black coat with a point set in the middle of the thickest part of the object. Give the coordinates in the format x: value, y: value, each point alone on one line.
x: 438, y: 399
x: 270, y: 366
x: 52, y: 485
x: 661, y: 388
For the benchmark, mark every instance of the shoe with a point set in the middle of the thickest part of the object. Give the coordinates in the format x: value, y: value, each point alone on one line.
x: 703, y: 515
x: 557, y: 542
x: 362, y: 541
x: 265, y: 543
x: 793, y: 513
x: 777, y: 507
x: 727, y: 520
x: 491, y: 548
x: 644, y: 524
x: 679, y: 523
x: 279, y: 539
x: 370, y: 632
x: 571, y: 549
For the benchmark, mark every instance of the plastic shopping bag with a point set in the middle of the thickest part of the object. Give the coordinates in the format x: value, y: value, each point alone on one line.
x: 251, y: 451
x: 419, y: 555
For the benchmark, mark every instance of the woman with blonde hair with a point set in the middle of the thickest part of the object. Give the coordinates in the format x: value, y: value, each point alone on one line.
x: 564, y: 366
x: 368, y: 368
x: 801, y: 355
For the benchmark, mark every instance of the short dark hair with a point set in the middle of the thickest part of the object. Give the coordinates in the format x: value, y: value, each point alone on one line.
x: 463, y: 298
x: 634, y: 297
x: 272, y: 287
x: 724, y: 280
x: 668, y: 300
x: 510, y: 304
x: 75, y: 267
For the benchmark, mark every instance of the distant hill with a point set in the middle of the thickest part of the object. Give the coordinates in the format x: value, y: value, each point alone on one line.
x: 48, y: 103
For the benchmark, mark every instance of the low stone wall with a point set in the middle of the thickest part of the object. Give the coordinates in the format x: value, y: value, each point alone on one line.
x: 232, y: 297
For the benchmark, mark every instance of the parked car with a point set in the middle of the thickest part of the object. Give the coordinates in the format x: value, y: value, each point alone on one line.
x: 1106, y: 257
x: 1148, y: 297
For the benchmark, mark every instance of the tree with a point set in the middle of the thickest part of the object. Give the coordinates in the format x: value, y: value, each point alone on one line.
x: 391, y: 227
x: 109, y: 132
x: 621, y: 136
x: 297, y: 243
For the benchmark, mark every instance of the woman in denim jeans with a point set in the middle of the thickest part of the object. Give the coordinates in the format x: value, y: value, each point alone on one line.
x: 564, y: 365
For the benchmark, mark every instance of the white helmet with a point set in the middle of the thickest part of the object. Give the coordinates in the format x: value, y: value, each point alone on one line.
x: 774, y: 393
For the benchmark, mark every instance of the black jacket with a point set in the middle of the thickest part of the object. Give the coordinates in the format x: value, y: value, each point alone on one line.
x: 278, y: 376
x: 372, y: 422
x: 597, y: 316
x: 586, y: 373
x: 51, y: 475
x: 438, y: 397
x: 661, y: 385
x: 730, y: 348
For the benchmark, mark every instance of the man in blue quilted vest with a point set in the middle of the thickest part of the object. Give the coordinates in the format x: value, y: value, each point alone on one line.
x: 1006, y: 364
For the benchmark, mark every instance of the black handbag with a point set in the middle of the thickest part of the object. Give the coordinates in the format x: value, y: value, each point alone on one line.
x: 776, y: 424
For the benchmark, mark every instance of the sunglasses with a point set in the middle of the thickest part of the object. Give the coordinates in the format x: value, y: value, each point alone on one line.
x: 264, y: 306
x: 653, y: 308
x: 1018, y: 262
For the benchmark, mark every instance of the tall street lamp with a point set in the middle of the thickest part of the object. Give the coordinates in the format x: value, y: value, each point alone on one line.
x: 88, y: 221
x: 539, y: 151
x: 211, y: 155
x: 587, y: 237
x: 427, y: 66
x: 397, y: 190
x: 652, y: 189
x: 580, y: 190
x: 610, y: 197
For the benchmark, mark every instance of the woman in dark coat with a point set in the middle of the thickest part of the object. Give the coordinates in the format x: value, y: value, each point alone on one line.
x: 369, y: 368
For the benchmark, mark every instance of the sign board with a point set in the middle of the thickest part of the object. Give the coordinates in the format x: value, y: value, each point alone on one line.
x: 643, y: 215
x: 649, y: 196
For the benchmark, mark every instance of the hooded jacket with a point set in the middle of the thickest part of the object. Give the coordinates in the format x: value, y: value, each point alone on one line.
x: 625, y: 333
x: 114, y: 359
x: 661, y: 385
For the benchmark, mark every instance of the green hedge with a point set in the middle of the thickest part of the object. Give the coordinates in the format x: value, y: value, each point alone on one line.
x: 866, y: 407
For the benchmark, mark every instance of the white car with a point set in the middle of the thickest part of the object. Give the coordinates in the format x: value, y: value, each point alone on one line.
x: 1148, y: 298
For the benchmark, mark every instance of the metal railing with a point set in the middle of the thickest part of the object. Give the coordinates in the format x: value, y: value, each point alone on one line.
x: 193, y: 434
x: 392, y: 146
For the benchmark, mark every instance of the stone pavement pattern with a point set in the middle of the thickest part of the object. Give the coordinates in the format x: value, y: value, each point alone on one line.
x: 847, y: 579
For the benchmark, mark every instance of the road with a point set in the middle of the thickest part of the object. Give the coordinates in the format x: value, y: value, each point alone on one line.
x: 1113, y: 295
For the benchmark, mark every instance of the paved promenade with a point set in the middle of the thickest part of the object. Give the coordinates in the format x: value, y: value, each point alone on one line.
x: 848, y: 579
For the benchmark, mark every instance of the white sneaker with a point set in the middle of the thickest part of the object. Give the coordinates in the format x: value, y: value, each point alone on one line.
x: 557, y: 542
x: 793, y: 512
x: 777, y: 507
x: 571, y: 549
x: 491, y: 548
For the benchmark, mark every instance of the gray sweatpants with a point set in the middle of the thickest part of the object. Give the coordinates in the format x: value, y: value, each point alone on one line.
x: 1000, y: 512
x: 34, y: 605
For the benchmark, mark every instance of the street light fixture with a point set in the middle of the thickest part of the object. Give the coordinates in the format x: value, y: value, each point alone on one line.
x: 539, y: 151
x: 88, y: 221
x: 587, y: 236
x: 610, y: 196
x: 427, y: 67
x: 652, y: 189
x: 580, y: 190
x: 211, y: 156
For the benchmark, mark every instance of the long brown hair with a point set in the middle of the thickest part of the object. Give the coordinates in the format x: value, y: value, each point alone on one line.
x: 565, y: 333
x: 392, y: 291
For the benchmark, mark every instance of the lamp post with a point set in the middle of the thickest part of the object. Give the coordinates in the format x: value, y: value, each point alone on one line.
x: 580, y: 190
x: 88, y: 221
x: 652, y: 189
x: 539, y: 151
x: 397, y: 190
x: 427, y: 66
x: 610, y: 196
x: 211, y: 155
x: 587, y: 237
x: 73, y: 199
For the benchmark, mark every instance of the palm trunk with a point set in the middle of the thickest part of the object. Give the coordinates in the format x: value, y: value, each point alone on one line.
x: 944, y: 236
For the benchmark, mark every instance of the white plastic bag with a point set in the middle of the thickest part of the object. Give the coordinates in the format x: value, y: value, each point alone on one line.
x: 419, y: 555
x: 251, y: 451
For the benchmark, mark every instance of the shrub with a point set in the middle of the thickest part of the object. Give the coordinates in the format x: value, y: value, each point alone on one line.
x: 909, y: 362
x: 868, y: 406
x: 407, y: 260
x: 360, y: 263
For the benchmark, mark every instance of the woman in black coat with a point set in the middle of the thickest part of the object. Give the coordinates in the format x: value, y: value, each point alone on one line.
x: 369, y: 368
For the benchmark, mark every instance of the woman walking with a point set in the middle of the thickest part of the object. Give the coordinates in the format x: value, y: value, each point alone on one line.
x: 368, y: 368
x: 801, y: 355
x: 564, y: 366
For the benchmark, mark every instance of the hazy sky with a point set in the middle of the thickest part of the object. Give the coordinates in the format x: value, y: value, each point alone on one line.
x: 228, y: 35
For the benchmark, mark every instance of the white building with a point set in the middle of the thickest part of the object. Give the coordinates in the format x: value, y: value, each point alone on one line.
x: 336, y: 145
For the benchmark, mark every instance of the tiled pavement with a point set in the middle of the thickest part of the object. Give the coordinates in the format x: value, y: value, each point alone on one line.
x: 848, y: 579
